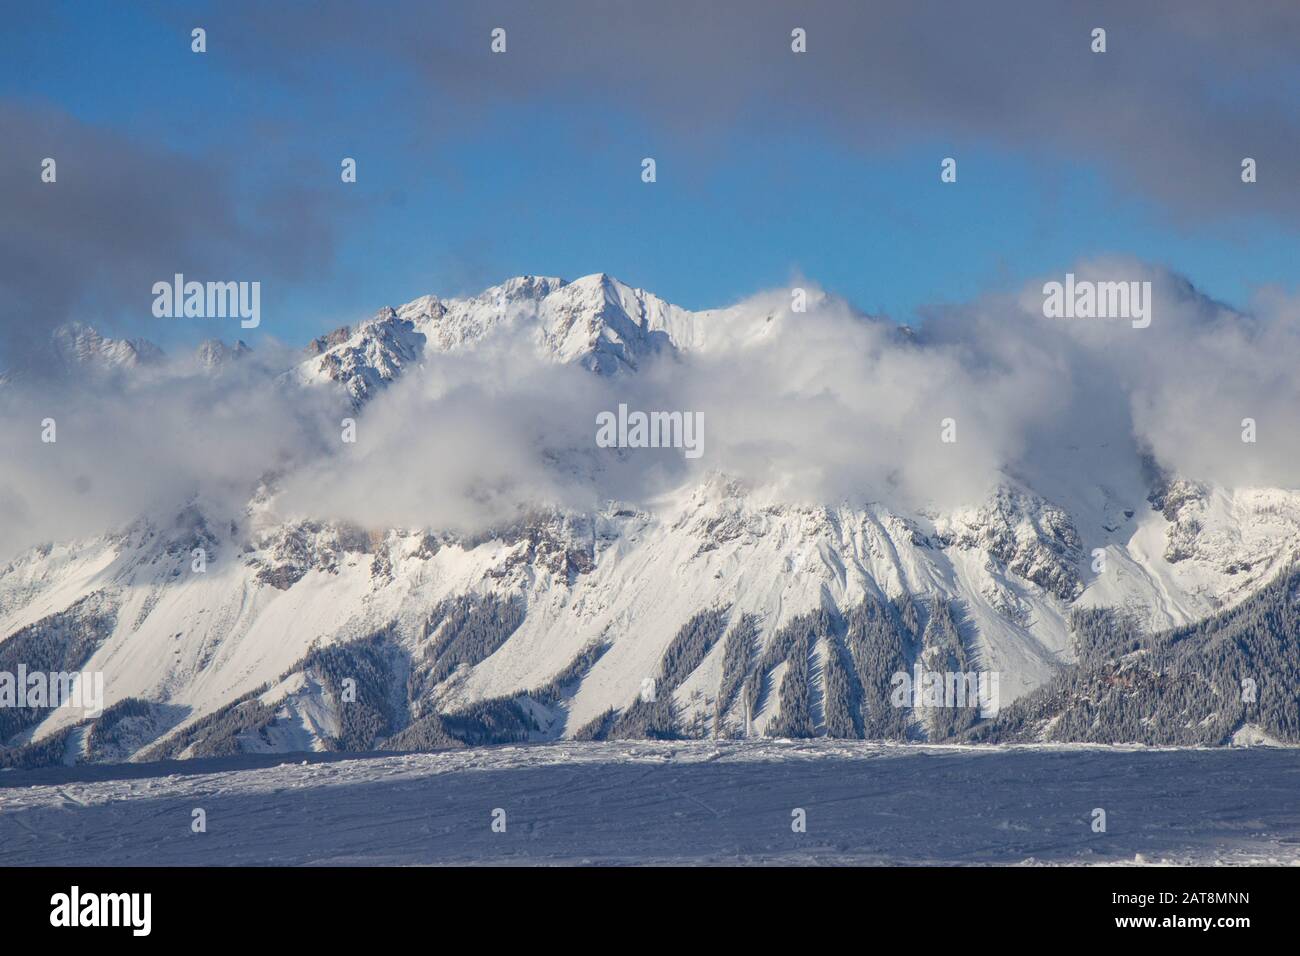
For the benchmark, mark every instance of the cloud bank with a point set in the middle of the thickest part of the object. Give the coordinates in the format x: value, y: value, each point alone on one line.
x: 1184, y: 91
x: 821, y: 406
x: 124, y: 214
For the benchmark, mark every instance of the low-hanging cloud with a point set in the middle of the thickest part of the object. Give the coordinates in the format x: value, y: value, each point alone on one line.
x: 145, y: 444
x: 813, y: 407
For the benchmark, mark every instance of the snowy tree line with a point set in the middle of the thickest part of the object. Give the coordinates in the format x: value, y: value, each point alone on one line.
x: 104, y: 737
x: 218, y: 734
x: 598, y: 727
x: 360, y: 677
x: 499, y: 720
x: 657, y: 718
x: 864, y: 650
x: 465, y: 630
x: 690, y: 646
x: 883, y: 638
x: 1191, y: 686
x: 47, y: 752
x: 61, y: 642
x: 653, y: 715
x: 737, y: 658
x: 755, y: 691
x: 943, y: 651
x: 795, y: 718
x: 843, y: 698
x: 564, y: 683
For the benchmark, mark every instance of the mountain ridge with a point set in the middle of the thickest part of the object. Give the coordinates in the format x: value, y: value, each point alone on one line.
x: 232, y: 656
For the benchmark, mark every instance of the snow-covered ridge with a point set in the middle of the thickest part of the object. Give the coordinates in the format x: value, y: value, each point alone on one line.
x: 561, y: 615
x: 77, y: 344
x: 597, y: 322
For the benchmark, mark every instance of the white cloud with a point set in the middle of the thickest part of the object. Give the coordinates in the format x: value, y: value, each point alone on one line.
x: 813, y: 407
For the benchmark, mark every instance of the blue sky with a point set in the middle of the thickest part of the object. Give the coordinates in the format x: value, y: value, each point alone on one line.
x: 456, y: 193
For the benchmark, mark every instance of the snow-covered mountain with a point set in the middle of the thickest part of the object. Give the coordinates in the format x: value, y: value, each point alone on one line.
x: 213, y: 355
x: 597, y: 322
x: 714, y: 609
x: 77, y: 350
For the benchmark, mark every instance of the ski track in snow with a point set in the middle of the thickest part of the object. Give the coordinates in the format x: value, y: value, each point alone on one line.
x: 695, y: 802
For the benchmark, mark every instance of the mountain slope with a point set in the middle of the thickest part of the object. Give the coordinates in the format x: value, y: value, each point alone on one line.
x: 1202, y: 685
x: 747, y: 614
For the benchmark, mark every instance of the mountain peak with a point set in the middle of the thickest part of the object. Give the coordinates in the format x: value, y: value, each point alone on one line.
x: 595, y: 321
x: 213, y: 354
x: 80, y: 346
